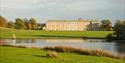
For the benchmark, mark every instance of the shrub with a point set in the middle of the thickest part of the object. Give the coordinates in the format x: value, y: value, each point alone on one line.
x: 20, y: 46
x: 52, y: 54
x: 97, y: 52
x: 8, y: 45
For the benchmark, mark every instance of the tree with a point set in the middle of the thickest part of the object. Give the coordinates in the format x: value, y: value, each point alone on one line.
x: 41, y: 26
x: 19, y: 23
x: 11, y: 24
x: 3, y: 22
x: 106, y: 25
x: 119, y: 28
x: 27, y: 23
x: 33, y: 23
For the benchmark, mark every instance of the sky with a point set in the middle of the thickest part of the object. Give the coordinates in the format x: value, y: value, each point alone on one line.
x: 44, y: 10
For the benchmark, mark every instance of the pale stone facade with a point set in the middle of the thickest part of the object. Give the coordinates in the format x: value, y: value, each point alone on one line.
x: 70, y: 25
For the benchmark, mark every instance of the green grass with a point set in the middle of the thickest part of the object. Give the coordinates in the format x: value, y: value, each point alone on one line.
x: 28, y: 55
x: 7, y: 33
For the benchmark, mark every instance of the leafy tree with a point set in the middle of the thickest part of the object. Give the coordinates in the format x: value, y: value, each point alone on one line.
x: 27, y: 23
x: 11, y: 24
x: 3, y: 21
x: 41, y: 26
x: 19, y: 23
x: 33, y: 23
x: 119, y: 28
x: 106, y: 25
x: 29, y: 26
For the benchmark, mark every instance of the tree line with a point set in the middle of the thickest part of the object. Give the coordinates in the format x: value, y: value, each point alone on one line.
x: 27, y: 24
x: 31, y: 24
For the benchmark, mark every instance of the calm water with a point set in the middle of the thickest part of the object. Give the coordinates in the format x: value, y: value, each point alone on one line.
x: 117, y: 47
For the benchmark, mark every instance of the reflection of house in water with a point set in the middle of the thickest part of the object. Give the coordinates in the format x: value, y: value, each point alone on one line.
x: 64, y: 40
x: 71, y: 25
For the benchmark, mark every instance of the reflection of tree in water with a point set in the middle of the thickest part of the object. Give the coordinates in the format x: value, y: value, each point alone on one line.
x: 33, y: 40
x: 26, y: 41
x: 120, y: 46
x: 14, y: 41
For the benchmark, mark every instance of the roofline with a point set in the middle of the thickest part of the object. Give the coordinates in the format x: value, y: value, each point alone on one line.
x: 71, y: 20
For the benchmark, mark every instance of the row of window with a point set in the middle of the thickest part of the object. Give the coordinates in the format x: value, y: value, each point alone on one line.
x: 64, y: 26
x: 73, y: 29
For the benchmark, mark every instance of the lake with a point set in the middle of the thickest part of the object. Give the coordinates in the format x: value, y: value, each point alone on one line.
x: 114, y: 46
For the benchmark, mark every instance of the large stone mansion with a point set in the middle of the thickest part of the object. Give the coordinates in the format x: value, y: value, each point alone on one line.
x: 71, y: 25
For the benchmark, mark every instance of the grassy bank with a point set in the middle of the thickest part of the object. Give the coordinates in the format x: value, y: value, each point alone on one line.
x: 27, y: 55
x: 84, y: 51
x: 7, y: 33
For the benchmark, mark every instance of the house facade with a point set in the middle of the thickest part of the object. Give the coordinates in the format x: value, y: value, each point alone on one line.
x: 71, y: 25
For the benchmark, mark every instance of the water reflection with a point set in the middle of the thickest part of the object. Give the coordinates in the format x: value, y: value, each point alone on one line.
x: 118, y: 47
x: 64, y: 40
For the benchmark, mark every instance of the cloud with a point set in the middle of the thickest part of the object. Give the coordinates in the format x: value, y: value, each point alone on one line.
x: 63, y: 9
x: 59, y: 4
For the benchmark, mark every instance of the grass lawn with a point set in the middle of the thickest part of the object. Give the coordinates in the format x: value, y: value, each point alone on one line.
x: 7, y: 33
x: 28, y: 55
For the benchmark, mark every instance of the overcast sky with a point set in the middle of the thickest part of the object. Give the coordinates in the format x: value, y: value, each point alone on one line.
x: 63, y: 9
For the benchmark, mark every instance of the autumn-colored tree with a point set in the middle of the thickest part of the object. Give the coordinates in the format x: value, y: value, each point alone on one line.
x: 11, y: 24
x: 27, y: 24
x: 33, y: 23
x: 19, y: 23
x: 3, y: 21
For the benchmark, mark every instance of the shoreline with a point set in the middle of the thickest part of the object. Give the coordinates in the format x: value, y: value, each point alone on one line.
x: 65, y: 37
x: 68, y: 49
x: 110, y: 40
